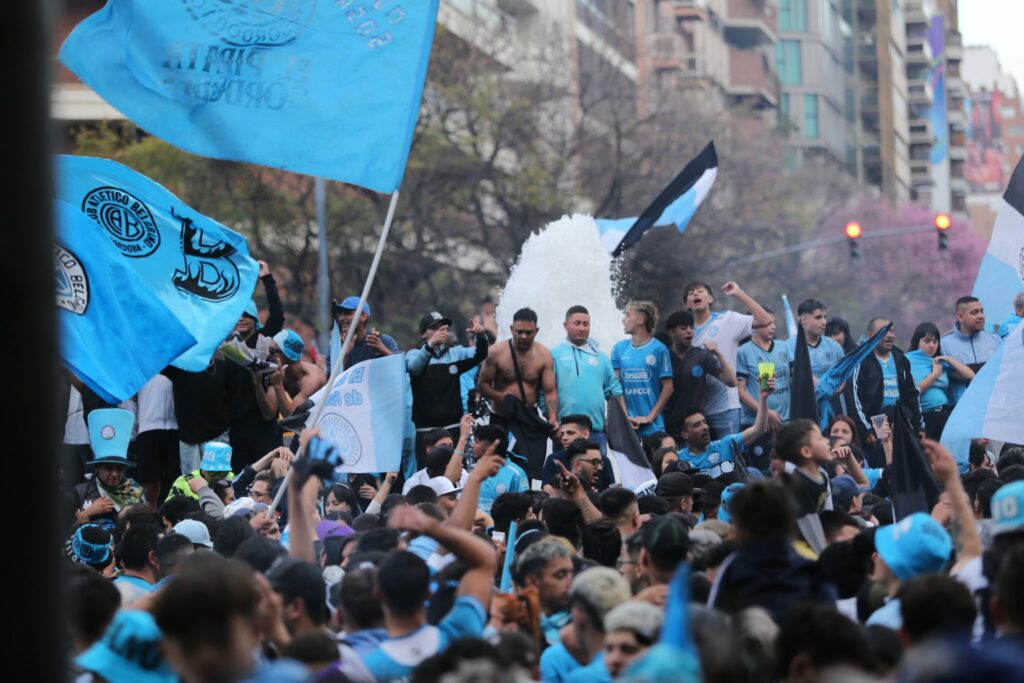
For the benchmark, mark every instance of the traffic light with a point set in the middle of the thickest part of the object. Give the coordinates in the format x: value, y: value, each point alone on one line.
x: 853, y: 232
x: 942, y: 223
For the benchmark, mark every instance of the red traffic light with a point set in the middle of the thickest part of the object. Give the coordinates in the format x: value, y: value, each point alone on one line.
x: 942, y: 221
x: 853, y: 230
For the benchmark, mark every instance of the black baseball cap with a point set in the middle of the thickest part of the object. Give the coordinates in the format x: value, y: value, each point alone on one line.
x: 666, y: 535
x: 433, y: 319
x: 675, y: 485
x: 712, y: 494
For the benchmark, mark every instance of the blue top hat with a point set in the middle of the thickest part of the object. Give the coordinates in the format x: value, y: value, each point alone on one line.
x: 216, y: 457
x: 110, y: 431
x: 129, y: 651
x: 290, y: 343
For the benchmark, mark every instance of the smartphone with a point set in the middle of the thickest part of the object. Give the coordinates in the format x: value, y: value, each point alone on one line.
x: 498, y: 536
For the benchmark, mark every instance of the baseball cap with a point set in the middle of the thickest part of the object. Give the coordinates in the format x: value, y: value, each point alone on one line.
x: 298, y: 578
x: 243, y: 505
x: 675, y: 485
x: 216, y: 457
x: 351, y: 303
x: 290, y: 343
x: 331, y: 529
x: 844, y: 488
x: 727, y: 495
x: 129, y: 651
x: 1008, y: 508
x: 90, y: 544
x: 194, y: 531
x: 915, y: 545
x: 442, y: 486
x: 712, y: 494
x: 433, y: 319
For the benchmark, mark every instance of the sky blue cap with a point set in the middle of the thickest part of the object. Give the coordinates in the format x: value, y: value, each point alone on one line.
x: 351, y: 303
x: 253, y: 312
x: 290, y: 343
x: 915, y: 545
x: 110, y: 431
x: 129, y: 651
x: 727, y: 495
x: 1008, y: 508
x: 216, y: 457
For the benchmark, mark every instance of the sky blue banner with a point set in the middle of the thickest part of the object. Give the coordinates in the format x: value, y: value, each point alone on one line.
x: 364, y: 414
x: 328, y: 88
x: 198, y: 268
x: 107, y: 315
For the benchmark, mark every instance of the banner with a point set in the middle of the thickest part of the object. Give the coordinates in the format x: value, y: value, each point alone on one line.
x: 329, y: 88
x: 364, y: 414
x: 115, y: 334
x: 198, y: 268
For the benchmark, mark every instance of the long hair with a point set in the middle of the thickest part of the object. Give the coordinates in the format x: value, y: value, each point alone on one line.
x: 926, y: 330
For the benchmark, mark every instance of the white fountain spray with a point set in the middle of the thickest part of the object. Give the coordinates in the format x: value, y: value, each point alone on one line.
x: 561, y: 265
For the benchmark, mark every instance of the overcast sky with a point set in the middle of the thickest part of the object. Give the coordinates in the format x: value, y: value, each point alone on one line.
x: 997, y: 23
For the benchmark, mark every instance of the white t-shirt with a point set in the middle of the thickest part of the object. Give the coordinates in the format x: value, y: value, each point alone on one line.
x: 725, y: 330
x: 156, y: 405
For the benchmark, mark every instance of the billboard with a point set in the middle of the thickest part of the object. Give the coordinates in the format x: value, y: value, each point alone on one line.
x: 984, y: 168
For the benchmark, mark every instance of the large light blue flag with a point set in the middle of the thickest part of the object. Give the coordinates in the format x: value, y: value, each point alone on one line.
x: 993, y: 403
x: 364, y: 414
x: 198, y: 268
x: 675, y: 205
x: 331, y: 88
x: 790, y: 320
x: 115, y: 334
x: 1001, y: 274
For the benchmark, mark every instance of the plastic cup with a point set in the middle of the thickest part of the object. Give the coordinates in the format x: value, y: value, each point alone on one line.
x: 764, y: 372
x: 877, y: 422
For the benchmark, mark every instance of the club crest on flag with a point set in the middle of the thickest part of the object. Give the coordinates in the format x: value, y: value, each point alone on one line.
x: 236, y: 24
x: 339, y: 431
x: 127, y: 220
x: 71, y: 281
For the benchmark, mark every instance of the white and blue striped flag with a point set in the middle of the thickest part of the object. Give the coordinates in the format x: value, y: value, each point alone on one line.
x: 992, y: 404
x: 1001, y: 275
x: 364, y: 414
x: 675, y: 205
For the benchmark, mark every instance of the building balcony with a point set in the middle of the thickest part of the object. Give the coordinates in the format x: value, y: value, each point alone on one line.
x: 955, y: 86
x: 690, y: 10
x: 921, y: 132
x: 750, y: 23
x: 920, y: 93
x: 919, y: 50
x: 954, y: 47
x: 956, y: 118
x: 958, y: 186
x: 668, y: 52
x: 751, y: 75
x: 957, y: 153
x: 520, y: 7
x: 919, y: 12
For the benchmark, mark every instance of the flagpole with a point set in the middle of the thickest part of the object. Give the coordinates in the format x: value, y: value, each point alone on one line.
x: 323, y: 277
x: 336, y: 366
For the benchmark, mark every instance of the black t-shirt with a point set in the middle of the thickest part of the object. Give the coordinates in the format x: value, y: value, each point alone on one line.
x: 689, y: 385
x: 811, y: 496
x: 201, y: 400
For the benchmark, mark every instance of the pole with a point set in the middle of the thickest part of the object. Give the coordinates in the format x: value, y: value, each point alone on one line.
x: 323, y: 277
x: 336, y: 366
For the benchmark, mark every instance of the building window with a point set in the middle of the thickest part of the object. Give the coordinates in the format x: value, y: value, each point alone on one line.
x: 784, y: 110
x: 793, y: 15
x: 810, y: 116
x: 787, y: 58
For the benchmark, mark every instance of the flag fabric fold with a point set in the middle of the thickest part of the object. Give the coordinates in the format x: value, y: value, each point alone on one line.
x: 330, y: 89
x: 115, y: 334
x: 802, y: 402
x: 364, y: 415
x: 790, y: 320
x: 842, y: 371
x: 993, y: 403
x: 1001, y: 273
x: 675, y: 205
x: 197, y: 267
x: 626, y: 452
x: 913, y: 485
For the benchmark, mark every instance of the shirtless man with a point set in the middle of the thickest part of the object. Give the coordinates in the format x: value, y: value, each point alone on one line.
x: 498, y: 376
x: 296, y: 380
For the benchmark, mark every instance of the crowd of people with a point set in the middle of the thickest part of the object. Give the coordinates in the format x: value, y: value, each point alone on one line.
x: 511, y: 546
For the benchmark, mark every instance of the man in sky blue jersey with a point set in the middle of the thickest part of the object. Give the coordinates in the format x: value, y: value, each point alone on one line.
x: 644, y: 366
x: 824, y: 351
